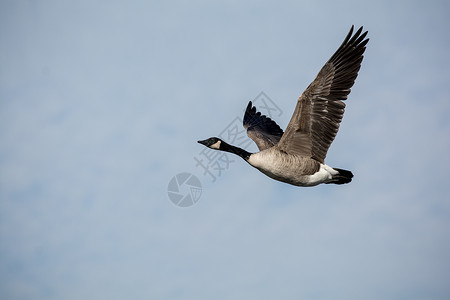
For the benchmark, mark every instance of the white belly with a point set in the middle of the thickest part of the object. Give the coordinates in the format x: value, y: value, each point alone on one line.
x: 291, y: 169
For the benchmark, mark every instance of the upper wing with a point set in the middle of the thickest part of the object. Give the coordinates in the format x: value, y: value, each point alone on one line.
x: 261, y: 129
x: 319, y: 109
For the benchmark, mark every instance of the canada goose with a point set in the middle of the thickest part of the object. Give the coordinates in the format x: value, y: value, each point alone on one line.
x: 297, y: 155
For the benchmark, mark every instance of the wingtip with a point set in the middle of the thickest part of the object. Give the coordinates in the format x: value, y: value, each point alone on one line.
x: 358, y: 32
x: 361, y: 31
x: 249, y: 107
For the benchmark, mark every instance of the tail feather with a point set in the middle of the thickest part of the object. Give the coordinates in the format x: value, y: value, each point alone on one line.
x: 344, y: 176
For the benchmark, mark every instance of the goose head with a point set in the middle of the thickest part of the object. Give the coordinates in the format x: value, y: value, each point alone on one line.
x: 213, y: 143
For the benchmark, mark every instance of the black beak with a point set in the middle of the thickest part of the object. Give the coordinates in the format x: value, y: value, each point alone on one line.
x: 202, y: 142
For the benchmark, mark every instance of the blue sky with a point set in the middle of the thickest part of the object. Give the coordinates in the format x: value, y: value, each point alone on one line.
x: 101, y: 104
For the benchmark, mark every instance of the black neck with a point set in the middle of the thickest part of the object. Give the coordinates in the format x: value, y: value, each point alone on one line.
x: 235, y: 150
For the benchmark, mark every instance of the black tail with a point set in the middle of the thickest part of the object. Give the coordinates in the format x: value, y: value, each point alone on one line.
x: 344, y: 176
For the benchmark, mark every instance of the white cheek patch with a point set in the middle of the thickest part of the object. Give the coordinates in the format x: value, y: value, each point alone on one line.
x: 215, y: 145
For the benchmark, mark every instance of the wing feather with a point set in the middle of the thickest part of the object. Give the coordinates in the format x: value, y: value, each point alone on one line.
x: 320, y: 108
x: 261, y: 129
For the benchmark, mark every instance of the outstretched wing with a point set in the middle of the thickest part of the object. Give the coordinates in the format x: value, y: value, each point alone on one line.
x: 261, y: 129
x: 319, y: 109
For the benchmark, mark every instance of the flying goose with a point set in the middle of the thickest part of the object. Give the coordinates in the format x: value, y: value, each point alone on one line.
x: 297, y: 156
